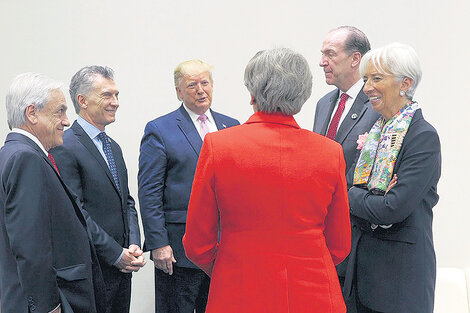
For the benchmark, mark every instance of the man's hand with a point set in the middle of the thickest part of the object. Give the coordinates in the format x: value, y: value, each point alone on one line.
x: 132, y: 260
x: 139, y: 255
x: 163, y: 259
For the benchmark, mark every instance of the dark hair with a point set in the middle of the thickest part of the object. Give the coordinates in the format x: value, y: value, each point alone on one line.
x: 356, y: 41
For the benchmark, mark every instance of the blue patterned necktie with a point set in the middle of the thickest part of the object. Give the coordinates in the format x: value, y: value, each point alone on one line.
x: 109, y: 155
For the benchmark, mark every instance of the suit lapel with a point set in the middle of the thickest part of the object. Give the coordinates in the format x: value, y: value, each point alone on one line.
x: 90, y: 146
x: 218, y: 120
x: 353, y: 116
x: 28, y: 141
x: 326, y: 119
x: 186, y: 125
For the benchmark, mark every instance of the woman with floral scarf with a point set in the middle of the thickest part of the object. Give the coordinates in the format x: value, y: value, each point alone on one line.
x: 392, y: 265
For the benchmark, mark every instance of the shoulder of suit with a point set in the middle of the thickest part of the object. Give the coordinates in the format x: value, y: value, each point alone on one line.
x: 165, y: 117
x: 217, y: 115
x: 327, y: 98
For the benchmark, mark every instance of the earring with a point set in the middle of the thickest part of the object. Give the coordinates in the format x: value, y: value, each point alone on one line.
x: 402, y: 93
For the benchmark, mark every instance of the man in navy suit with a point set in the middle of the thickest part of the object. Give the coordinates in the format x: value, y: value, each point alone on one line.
x: 342, y: 51
x: 168, y: 156
x: 344, y: 121
x: 92, y: 165
x: 47, y: 263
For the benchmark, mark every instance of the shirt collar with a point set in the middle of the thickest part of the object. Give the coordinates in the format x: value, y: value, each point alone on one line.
x: 30, y: 136
x: 91, y: 130
x: 354, y: 90
x: 195, y: 116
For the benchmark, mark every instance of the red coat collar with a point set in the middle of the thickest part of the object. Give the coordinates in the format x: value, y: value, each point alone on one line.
x: 275, y: 118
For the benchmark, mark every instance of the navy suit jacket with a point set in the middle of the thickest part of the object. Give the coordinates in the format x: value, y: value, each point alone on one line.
x: 396, y: 267
x: 169, y: 153
x: 46, y: 254
x: 85, y: 171
x: 358, y: 120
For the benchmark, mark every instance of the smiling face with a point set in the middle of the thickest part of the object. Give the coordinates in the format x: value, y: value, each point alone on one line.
x: 100, y: 105
x: 383, y: 91
x: 340, y: 68
x: 51, y: 120
x: 196, y: 92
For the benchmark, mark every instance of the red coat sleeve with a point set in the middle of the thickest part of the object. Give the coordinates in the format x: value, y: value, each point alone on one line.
x: 337, y: 223
x: 202, y: 225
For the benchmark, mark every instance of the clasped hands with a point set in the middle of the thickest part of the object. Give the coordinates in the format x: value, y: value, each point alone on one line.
x: 132, y: 259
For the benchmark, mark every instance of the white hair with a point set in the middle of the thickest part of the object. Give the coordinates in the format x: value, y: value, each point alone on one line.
x: 397, y: 59
x: 28, y: 89
x: 280, y: 80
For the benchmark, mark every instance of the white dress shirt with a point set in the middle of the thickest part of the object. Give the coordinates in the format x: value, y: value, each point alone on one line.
x: 352, y: 93
x: 194, y: 117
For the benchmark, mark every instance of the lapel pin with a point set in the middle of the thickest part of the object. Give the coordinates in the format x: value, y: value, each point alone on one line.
x: 224, y: 125
x: 354, y: 116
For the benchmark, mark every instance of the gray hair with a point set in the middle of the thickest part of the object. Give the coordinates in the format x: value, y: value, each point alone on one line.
x: 82, y: 81
x: 28, y: 89
x: 279, y: 79
x: 397, y: 59
x: 356, y: 41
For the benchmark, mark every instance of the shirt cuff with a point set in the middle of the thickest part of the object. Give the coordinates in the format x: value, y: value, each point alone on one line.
x: 119, y: 258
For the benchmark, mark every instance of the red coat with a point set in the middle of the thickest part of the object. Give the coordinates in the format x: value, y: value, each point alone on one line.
x: 280, y: 195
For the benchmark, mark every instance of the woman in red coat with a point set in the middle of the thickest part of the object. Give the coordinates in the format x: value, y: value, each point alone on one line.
x: 268, y: 217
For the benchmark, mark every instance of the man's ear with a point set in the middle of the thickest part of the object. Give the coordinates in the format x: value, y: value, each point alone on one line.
x: 31, y: 114
x: 82, y: 101
x: 356, y: 59
x: 178, y: 93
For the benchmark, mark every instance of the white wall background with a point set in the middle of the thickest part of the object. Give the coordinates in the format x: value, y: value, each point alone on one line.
x: 144, y: 40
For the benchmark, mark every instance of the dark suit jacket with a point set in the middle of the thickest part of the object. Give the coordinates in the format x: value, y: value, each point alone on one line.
x: 84, y: 170
x: 46, y: 254
x: 169, y: 153
x: 396, y: 267
x: 358, y: 120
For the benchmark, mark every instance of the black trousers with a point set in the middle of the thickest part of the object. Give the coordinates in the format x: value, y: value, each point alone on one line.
x: 185, y: 291
x: 118, y: 289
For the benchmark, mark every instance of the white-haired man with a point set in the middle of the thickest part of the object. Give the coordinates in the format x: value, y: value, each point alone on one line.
x: 47, y: 262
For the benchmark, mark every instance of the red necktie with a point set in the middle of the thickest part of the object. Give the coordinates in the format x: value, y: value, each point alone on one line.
x: 335, y: 120
x: 51, y: 158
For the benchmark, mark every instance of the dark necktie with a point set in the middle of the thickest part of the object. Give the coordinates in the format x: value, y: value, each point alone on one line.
x: 51, y: 158
x: 335, y: 120
x: 109, y: 156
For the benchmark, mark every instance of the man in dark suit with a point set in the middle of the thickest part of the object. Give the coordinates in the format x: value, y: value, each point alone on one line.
x: 47, y: 262
x: 92, y: 165
x: 342, y: 51
x: 344, y: 113
x: 168, y: 156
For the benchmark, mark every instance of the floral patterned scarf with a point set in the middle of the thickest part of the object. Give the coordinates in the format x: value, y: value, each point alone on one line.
x: 379, y: 153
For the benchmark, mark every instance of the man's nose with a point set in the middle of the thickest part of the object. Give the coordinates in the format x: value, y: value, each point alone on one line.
x: 65, y: 121
x: 323, y: 61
